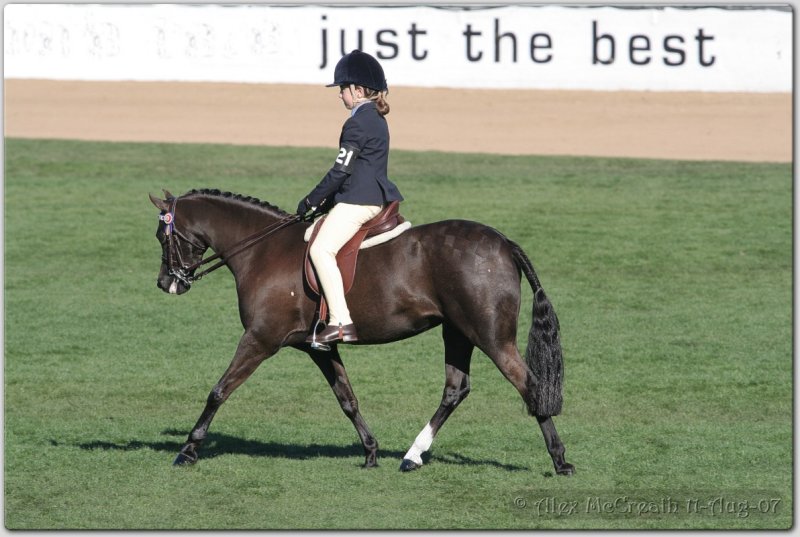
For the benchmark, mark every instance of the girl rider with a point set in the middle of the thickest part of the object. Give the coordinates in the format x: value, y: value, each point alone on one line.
x: 356, y: 187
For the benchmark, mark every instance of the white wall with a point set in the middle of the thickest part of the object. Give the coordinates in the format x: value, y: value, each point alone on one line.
x: 540, y: 47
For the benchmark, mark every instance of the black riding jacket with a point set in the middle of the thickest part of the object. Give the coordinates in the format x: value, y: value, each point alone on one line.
x: 359, y: 174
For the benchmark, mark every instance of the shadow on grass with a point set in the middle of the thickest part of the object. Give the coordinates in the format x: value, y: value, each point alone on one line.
x: 217, y: 444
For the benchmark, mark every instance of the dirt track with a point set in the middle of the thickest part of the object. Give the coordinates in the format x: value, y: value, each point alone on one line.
x: 715, y: 126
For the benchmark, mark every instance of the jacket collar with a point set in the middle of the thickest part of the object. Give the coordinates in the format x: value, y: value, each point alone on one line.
x: 361, y: 106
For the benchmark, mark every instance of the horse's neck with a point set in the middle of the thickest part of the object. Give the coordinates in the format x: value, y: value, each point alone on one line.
x: 226, y: 223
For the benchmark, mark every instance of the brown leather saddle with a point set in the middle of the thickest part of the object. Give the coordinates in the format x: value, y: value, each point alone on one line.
x: 385, y: 221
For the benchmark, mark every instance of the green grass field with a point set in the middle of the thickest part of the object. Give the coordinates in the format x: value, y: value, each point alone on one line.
x: 672, y: 281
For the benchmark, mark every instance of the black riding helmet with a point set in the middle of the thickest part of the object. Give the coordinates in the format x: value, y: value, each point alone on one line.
x: 360, y: 69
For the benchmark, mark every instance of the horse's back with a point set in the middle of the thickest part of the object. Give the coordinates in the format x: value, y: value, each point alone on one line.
x: 463, y: 240
x: 444, y: 248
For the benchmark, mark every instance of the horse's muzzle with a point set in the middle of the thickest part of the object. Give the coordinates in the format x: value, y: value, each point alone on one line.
x: 170, y: 283
x: 173, y: 287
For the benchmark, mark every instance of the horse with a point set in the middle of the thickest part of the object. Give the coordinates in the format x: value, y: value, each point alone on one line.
x: 461, y: 275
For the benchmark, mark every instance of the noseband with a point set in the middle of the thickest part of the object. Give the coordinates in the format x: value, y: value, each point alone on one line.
x: 182, y: 271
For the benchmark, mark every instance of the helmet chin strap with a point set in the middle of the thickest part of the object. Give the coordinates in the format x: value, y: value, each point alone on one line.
x: 356, y: 100
x: 362, y: 99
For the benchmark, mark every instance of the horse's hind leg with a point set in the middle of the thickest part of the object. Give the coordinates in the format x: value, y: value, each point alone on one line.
x: 249, y: 355
x: 330, y: 363
x: 509, y: 362
x: 457, y: 357
x: 554, y: 445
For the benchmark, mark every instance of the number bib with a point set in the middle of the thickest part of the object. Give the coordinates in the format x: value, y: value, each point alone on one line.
x: 346, y: 158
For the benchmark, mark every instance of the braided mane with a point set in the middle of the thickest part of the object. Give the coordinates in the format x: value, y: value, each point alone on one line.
x: 237, y: 197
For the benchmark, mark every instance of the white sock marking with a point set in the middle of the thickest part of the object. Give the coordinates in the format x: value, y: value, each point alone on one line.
x: 421, y: 444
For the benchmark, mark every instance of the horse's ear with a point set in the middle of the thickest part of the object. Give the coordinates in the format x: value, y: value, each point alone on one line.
x: 159, y: 203
x: 168, y: 194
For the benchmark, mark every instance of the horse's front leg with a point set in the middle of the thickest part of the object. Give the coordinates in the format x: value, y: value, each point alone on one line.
x: 330, y: 363
x: 249, y: 355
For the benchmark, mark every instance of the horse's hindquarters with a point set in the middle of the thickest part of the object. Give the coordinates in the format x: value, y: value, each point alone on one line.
x: 456, y: 270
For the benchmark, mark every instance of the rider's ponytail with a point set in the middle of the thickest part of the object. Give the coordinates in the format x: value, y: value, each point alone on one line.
x: 379, y: 97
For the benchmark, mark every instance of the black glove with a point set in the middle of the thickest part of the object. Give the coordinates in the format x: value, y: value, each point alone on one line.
x: 303, y: 207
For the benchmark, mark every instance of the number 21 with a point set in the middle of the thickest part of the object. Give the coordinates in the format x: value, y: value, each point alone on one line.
x: 344, y: 157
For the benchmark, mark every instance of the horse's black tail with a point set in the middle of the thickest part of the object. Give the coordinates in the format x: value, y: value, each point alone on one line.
x: 543, y: 354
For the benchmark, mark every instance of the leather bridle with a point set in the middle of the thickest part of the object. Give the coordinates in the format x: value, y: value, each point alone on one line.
x: 182, y: 271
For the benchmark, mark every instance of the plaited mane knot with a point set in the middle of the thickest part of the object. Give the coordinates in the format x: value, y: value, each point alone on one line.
x: 214, y: 192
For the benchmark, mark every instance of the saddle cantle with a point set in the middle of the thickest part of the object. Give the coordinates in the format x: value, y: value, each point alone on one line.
x: 386, y: 220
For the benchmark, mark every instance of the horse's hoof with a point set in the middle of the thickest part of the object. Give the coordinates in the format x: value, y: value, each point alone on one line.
x: 184, y: 459
x: 408, y: 465
x: 565, y: 469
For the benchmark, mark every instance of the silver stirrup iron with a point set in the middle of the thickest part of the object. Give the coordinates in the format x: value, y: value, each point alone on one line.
x: 314, y: 344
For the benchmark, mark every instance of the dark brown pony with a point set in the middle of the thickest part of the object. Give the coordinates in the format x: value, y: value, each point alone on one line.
x: 461, y: 275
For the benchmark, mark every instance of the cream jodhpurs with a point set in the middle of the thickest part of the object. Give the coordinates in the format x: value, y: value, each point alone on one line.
x: 342, y: 222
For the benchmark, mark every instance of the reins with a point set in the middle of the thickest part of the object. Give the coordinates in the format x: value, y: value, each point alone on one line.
x: 183, y: 271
